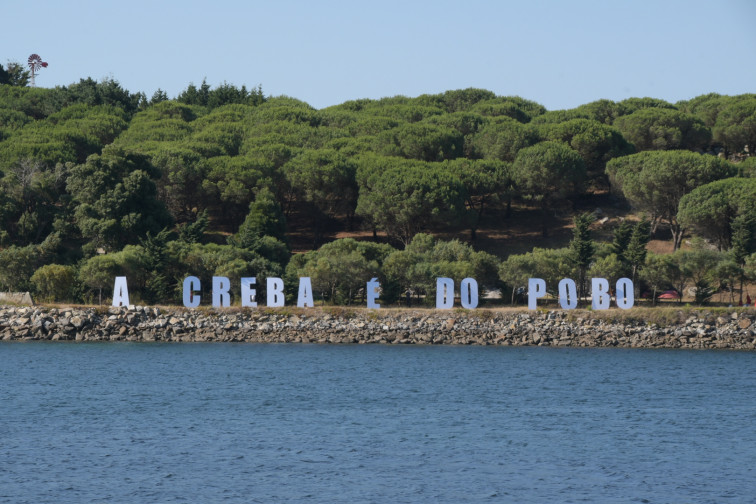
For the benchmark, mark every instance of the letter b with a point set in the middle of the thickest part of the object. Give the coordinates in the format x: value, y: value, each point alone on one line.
x: 600, y: 298
x: 275, y: 292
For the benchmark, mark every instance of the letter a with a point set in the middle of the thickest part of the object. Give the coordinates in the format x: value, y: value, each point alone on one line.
x: 120, y: 292
x: 305, y: 293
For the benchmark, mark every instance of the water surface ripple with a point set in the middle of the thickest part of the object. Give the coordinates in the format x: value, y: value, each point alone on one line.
x: 238, y: 423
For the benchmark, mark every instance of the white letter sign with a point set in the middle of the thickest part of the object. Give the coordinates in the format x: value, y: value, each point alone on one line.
x: 568, y: 294
x: 275, y: 292
x: 373, y: 290
x: 625, y: 293
x: 444, y: 293
x: 536, y: 289
x: 305, y: 293
x: 600, y: 298
x: 191, y: 285
x: 221, y: 297
x: 468, y: 293
x: 120, y: 292
x: 248, y: 294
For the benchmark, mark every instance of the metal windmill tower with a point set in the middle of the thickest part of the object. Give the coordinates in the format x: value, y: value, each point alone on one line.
x: 35, y: 64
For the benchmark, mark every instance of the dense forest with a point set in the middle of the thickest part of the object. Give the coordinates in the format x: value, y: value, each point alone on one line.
x: 98, y: 182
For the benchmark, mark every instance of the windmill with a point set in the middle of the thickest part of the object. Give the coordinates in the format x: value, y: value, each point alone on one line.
x: 35, y: 64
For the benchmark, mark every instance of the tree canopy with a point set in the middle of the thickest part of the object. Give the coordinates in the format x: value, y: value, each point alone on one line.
x: 656, y: 181
x: 547, y: 173
x: 711, y: 209
x: 96, y: 179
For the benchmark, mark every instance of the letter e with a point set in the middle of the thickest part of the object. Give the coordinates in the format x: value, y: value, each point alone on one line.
x: 373, y: 290
x: 248, y: 294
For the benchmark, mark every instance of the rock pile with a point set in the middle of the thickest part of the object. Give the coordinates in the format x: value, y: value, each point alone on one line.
x: 732, y: 330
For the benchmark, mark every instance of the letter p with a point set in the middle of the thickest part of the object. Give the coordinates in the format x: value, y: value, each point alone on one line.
x: 536, y: 289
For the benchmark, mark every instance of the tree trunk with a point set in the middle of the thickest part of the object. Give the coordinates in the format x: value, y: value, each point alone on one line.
x: 677, y: 235
x: 654, y: 225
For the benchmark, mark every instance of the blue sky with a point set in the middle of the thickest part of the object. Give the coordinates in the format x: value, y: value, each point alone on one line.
x: 558, y: 53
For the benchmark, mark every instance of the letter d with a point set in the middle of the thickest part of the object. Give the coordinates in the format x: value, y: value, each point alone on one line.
x: 444, y: 293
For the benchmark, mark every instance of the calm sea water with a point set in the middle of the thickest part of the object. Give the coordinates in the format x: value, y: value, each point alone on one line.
x: 128, y: 423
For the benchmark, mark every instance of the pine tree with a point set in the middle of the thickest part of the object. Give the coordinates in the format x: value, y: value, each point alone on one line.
x: 193, y: 232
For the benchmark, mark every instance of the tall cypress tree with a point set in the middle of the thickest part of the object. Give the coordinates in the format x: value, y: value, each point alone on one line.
x: 621, y: 239
x: 743, y: 244
x: 583, y: 248
x: 635, y: 254
x: 157, y: 286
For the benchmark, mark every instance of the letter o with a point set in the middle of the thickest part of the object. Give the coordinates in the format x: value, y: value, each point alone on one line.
x: 468, y: 293
x: 568, y: 298
x: 625, y: 293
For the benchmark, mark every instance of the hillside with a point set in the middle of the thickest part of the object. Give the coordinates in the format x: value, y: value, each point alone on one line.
x: 98, y: 181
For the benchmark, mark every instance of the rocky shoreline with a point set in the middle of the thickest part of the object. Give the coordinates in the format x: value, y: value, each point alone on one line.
x: 701, y: 329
